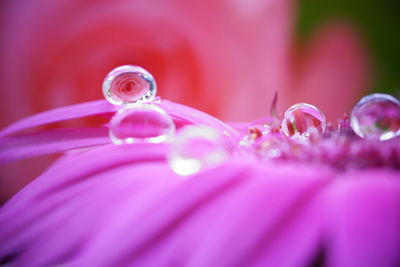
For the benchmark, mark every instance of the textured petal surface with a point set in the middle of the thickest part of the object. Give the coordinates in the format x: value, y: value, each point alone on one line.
x: 60, y: 114
x: 122, y: 205
x: 364, y: 219
x: 54, y: 141
x: 127, y: 196
x: 48, y: 142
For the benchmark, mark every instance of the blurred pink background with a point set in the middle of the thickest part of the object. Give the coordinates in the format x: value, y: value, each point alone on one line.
x: 224, y: 57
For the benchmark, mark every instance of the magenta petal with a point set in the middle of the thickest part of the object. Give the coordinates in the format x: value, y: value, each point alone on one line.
x: 60, y: 114
x: 121, y: 205
x: 167, y: 213
x: 48, y: 142
x: 181, y: 114
x: 365, y: 220
x: 272, y: 220
x: 54, y: 141
x: 188, y: 115
x: 57, y: 214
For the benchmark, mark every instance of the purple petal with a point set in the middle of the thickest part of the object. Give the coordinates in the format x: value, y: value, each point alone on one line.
x: 61, y: 200
x: 274, y: 213
x: 60, y: 114
x: 121, y: 205
x: 193, y: 116
x: 29, y: 145
x: 364, y: 220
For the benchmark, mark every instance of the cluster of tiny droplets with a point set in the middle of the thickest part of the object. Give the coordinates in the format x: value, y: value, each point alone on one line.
x: 139, y: 119
x: 304, y: 136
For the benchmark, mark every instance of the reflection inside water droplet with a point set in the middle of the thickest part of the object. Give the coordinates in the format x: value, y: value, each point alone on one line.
x: 302, y: 121
x: 196, y: 148
x: 129, y: 84
x: 376, y: 116
x: 141, y: 122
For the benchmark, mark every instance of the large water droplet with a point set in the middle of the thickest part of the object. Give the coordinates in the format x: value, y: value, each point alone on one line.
x: 129, y: 84
x: 302, y: 121
x: 196, y: 148
x: 376, y: 116
x: 141, y: 123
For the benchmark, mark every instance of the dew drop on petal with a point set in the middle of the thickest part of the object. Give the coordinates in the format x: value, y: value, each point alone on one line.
x: 376, y: 116
x: 141, y: 123
x: 303, y: 120
x: 270, y: 146
x: 129, y: 84
x: 196, y: 148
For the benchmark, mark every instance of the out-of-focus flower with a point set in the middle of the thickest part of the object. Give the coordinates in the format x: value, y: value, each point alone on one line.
x: 122, y: 205
x: 225, y: 57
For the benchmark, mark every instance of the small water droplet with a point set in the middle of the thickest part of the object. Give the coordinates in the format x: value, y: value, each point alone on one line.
x: 270, y: 146
x: 129, y: 84
x: 141, y: 123
x: 302, y: 121
x: 376, y: 116
x: 196, y: 148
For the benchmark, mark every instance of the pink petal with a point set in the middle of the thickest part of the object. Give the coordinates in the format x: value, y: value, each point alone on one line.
x: 30, y: 145
x: 17, y: 174
x: 48, y: 142
x: 364, y: 220
x: 60, y: 114
x: 153, y: 217
x: 68, y: 189
x: 275, y: 212
x: 188, y: 115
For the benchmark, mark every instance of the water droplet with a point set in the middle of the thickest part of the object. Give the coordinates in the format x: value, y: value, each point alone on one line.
x: 196, y: 148
x: 141, y: 123
x: 129, y: 84
x: 270, y: 146
x: 376, y: 116
x: 302, y: 121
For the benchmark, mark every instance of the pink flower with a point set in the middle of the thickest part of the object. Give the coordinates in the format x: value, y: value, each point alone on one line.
x: 100, y: 204
x: 224, y: 57
x: 122, y: 205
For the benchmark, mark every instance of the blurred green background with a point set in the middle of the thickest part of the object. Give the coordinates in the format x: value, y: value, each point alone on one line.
x: 378, y: 21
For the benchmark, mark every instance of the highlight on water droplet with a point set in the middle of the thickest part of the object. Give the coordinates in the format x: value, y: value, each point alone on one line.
x: 302, y: 121
x: 129, y: 84
x: 196, y: 148
x: 141, y: 123
x: 376, y: 116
